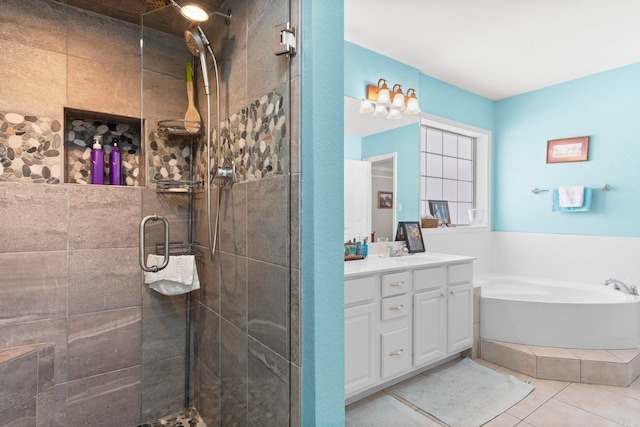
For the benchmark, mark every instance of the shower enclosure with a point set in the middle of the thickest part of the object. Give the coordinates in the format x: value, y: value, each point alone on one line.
x: 225, y: 349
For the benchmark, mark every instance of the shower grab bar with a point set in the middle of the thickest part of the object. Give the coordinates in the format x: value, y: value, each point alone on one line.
x: 605, y: 187
x: 165, y: 262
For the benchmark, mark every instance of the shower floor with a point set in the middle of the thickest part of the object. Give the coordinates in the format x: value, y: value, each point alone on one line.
x: 188, y: 417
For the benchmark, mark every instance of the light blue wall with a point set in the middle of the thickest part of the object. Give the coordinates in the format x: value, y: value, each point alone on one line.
x: 451, y: 102
x: 322, y: 177
x: 364, y: 66
x: 604, y: 106
x: 403, y: 141
x: 352, y: 147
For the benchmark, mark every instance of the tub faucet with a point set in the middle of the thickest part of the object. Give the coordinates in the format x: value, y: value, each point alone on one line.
x: 620, y: 286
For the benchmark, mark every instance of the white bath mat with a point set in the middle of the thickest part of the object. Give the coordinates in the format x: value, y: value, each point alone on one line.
x: 466, y: 394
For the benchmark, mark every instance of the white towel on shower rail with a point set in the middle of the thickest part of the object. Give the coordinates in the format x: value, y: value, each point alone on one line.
x: 571, y: 197
x: 178, y: 277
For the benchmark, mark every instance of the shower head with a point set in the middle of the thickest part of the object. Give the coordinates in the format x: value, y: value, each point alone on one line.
x: 196, y: 42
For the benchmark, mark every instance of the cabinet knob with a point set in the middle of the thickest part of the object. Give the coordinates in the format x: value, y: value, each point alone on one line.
x: 396, y: 307
x: 397, y: 284
x: 441, y: 294
x: 397, y: 352
x: 452, y: 293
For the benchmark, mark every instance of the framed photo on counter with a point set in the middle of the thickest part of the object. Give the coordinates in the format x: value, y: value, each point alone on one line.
x: 413, y: 236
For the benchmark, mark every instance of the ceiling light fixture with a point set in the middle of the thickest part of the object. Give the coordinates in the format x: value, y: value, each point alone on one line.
x: 196, y: 13
x: 389, y: 104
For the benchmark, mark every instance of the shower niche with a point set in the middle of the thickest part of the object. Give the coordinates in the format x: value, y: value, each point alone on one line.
x: 81, y: 126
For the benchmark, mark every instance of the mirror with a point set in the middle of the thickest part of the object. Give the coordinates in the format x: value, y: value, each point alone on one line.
x: 383, y: 188
x: 365, y: 140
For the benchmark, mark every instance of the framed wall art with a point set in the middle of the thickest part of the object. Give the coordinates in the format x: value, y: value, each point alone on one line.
x: 385, y: 200
x: 568, y: 150
x: 440, y: 209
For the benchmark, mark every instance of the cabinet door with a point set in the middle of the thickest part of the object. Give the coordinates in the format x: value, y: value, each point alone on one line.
x: 396, y: 354
x: 360, y: 349
x: 429, y: 325
x: 460, y: 317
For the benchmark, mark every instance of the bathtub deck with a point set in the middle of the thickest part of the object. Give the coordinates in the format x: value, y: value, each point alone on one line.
x: 606, y: 367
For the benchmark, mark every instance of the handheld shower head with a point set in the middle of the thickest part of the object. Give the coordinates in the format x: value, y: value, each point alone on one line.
x: 196, y: 45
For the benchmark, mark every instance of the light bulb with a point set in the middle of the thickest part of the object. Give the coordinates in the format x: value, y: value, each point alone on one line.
x: 383, y: 93
x: 366, y: 107
x: 380, y: 111
x: 398, y: 101
x: 394, y: 114
x: 412, y: 106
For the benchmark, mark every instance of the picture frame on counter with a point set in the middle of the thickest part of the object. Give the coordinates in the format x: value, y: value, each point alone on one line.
x: 413, y: 236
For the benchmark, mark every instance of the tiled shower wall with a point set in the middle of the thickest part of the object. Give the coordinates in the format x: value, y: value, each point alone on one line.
x: 69, y: 272
x: 68, y: 254
x: 247, y: 367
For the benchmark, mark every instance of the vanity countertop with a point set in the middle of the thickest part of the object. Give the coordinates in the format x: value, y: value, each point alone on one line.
x: 375, y: 264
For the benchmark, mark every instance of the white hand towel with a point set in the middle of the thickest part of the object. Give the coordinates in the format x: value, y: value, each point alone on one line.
x: 178, y: 277
x: 571, y: 197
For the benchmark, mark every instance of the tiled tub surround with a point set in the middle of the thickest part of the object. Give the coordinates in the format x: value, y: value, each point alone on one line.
x: 606, y: 367
x: 30, y: 148
x: 26, y: 385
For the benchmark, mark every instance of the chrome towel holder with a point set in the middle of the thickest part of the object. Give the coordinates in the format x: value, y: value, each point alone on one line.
x: 605, y: 187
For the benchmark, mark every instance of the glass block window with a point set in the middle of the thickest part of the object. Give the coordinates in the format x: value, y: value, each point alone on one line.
x: 447, y: 172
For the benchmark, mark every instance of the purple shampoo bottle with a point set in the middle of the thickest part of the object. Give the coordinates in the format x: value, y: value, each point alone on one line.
x: 115, y: 164
x: 97, y: 161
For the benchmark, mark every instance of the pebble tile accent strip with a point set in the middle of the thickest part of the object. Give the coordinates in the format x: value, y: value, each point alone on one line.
x: 30, y: 148
x: 255, y: 139
x: 80, y: 133
x: 169, y: 157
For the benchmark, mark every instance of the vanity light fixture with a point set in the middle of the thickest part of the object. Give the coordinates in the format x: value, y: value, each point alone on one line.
x: 389, y: 104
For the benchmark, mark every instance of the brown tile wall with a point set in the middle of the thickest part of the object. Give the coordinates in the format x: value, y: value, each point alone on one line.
x: 68, y: 254
x: 254, y: 365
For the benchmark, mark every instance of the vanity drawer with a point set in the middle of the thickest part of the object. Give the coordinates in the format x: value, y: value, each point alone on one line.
x: 396, y: 283
x: 429, y: 278
x: 460, y: 273
x: 359, y: 290
x: 395, y: 307
x: 396, y: 352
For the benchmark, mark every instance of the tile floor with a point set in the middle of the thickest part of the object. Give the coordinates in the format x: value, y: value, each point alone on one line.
x: 188, y: 417
x: 551, y: 404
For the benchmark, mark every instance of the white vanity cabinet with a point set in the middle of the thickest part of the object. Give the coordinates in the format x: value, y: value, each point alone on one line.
x: 360, y: 319
x: 400, y: 320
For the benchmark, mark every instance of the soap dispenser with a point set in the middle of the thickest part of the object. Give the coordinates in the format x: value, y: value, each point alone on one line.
x: 97, y: 161
x: 115, y: 164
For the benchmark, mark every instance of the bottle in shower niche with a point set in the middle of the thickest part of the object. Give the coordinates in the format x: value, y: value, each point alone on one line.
x: 97, y: 161
x: 115, y: 164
